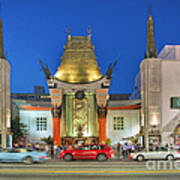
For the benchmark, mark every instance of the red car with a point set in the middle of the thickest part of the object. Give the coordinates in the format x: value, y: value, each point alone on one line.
x: 100, y: 152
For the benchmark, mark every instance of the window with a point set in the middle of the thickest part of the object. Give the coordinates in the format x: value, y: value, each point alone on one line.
x: 93, y: 147
x: 102, y: 147
x: 41, y: 123
x: 84, y: 148
x: 118, y: 123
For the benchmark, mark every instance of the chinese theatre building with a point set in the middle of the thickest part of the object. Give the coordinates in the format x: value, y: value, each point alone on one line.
x: 79, y: 93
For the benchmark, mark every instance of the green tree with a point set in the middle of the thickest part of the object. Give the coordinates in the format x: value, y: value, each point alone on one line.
x: 48, y: 140
x: 18, y: 129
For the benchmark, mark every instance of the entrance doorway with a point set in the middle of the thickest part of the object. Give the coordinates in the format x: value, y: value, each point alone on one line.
x: 177, y: 135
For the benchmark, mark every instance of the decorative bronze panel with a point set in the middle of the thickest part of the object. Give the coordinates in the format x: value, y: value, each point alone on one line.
x: 80, y: 117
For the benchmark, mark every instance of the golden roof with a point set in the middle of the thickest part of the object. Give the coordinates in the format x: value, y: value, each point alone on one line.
x: 78, y: 63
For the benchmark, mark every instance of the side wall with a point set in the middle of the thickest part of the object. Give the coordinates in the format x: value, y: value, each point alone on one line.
x: 131, y: 124
x: 170, y: 88
x: 29, y: 118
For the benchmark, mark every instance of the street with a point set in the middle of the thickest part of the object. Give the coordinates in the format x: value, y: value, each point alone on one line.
x: 58, y: 169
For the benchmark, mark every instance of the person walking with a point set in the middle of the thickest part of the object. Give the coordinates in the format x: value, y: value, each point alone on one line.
x: 58, y: 151
x: 55, y: 149
x: 118, y: 150
x: 69, y: 147
x: 133, y: 149
x: 125, y: 150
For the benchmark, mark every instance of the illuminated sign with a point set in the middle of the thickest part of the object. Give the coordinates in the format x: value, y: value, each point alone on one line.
x: 175, y: 102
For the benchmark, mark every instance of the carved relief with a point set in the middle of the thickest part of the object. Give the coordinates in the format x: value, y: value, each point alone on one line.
x: 154, y: 76
x: 102, y: 111
x: 56, y: 111
x: 80, y: 117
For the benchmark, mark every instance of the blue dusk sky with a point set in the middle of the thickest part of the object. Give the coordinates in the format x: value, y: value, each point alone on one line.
x: 36, y: 29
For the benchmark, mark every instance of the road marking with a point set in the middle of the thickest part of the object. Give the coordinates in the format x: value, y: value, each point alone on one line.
x: 25, y: 171
x: 70, y: 165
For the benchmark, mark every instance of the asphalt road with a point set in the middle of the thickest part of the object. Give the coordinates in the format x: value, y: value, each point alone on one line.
x: 77, y: 170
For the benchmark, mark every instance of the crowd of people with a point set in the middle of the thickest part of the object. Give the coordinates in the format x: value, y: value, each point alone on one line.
x: 53, y: 150
x: 123, y: 150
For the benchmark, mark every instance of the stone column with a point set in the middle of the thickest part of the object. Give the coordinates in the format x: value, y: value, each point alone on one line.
x: 150, y: 70
x: 102, y: 124
x: 56, y: 101
x: 56, y: 111
x: 5, y: 100
x: 101, y: 97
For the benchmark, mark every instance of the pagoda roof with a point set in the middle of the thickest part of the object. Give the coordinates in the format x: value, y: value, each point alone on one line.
x: 78, y: 62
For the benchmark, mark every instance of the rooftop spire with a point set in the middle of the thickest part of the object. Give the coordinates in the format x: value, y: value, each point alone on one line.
x: 1, y: 37
x: 150, y: 8
x: 151, y: 52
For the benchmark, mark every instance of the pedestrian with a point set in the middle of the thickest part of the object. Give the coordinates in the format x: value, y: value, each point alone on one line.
x: 75, y: 146
x: 52, y: 151
x: 133, y: 149
x: 69, y: 147
x: 125, y: 150
x: 118, y: 150
x: 55, y: 149
x: 129, y: 149
x: 66, y: 146
x: 46, y: 148
x: 37, y: 146
x: 58, y: 151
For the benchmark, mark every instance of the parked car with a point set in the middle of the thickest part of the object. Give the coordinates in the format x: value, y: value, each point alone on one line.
x: 158, y: 153
x: 22, y: 155
x: 98, y: 152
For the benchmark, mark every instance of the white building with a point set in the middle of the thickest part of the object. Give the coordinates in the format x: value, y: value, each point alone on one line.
x: 38, y: 121
x: 170, y: 52
x: 123, y: 120
x: 34, y: 111
x: 170, y: 93
x: 158, y: 82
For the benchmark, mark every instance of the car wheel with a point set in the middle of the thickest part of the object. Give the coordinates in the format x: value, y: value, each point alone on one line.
x: 170, y: 157
x: 28, y: 160
x: 101, y: 157
x: 140, y: 158
x: 68, y: 157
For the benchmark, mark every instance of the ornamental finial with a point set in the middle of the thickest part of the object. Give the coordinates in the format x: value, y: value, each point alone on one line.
x: 69, y: 33
x: 89, y: 32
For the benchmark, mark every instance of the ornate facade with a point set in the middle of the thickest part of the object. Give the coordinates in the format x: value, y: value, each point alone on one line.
x: 79, y: 93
